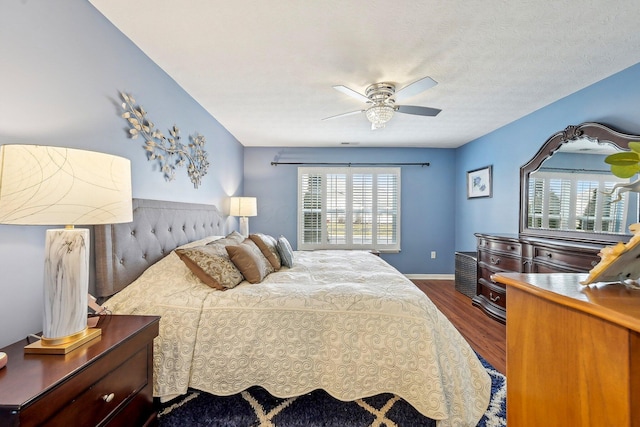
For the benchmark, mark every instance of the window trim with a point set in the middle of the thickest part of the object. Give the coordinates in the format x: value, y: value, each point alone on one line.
x: 349, y: 171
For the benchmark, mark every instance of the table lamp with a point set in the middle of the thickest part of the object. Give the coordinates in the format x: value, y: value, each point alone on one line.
x: 42, y: 185
x: 243, y: 207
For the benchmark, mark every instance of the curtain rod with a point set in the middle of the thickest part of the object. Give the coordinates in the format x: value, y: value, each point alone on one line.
x: 349, y: 164
x: 569, y: 170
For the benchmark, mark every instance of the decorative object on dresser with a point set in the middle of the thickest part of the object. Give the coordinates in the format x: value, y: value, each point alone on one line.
x: 107, y: 383
x: 168, y: 151
x: 573, y: 352
x: 479, y: 183
x: 42, y: 185
x: 243, y: 207
x: 619, y: 263
x: 625, y: 165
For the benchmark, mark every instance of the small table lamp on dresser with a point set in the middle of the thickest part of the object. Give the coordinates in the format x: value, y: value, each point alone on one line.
x: 42, y: 185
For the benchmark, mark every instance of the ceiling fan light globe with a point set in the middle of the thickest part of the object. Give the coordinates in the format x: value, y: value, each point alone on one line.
x: 379, y: 115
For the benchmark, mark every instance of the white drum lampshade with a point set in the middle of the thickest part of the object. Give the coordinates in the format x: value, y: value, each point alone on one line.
x: 243, y: 207
x: 41, y: 185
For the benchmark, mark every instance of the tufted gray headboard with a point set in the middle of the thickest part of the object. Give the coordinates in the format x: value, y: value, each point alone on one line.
x: 124, y: 251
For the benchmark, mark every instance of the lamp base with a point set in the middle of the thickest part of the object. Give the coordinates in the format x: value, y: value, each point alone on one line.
x: 64, y: 346
x: 244, y: 226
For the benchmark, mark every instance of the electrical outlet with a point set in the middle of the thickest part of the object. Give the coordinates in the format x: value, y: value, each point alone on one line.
x: 433, y: 254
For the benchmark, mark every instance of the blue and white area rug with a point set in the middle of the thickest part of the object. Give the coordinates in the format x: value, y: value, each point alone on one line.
x: 255, y: 407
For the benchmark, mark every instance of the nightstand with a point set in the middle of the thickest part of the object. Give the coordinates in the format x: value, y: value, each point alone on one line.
x: 108, y: 381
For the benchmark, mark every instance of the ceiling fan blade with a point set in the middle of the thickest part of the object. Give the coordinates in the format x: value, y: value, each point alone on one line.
x: 343, y: 114
x: 418, y: 111
x: 415, y: 88
x: 352, y: 93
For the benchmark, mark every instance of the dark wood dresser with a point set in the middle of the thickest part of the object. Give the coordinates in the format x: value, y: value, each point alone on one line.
x: 107, y: 382
x: 512, y: 253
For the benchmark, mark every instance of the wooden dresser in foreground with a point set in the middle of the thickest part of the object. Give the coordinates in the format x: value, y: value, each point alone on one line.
x: 573, y: 352
x: 107, y: 382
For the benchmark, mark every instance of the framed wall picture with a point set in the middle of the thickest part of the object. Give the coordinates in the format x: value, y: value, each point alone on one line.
x: 479, y: 183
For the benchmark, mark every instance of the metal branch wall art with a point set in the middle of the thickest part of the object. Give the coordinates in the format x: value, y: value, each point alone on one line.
x: 167, y: 150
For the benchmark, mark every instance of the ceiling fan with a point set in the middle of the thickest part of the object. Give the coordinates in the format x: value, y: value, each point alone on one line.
x: 383, y: 98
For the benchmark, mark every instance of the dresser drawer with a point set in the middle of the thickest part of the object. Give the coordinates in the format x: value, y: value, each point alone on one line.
x: 102, y: 398
x: 493, y: 292
x: 497, y: 262
x: 505, y: 246
x: 563, y: 261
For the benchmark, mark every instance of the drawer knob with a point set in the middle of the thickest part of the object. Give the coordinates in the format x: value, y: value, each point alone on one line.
x: 108, y: 397
x: 494, y: 261
x: 492, y: 298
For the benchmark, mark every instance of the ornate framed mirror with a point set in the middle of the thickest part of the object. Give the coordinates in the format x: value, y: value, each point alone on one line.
x: 566, y: 188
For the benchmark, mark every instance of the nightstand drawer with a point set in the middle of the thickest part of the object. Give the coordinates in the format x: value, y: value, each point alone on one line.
x: 102, y: 398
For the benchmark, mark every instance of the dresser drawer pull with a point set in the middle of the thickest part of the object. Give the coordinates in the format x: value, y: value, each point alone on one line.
x: 108, y: 397
x: 492, y: 298
x: 494, y: 261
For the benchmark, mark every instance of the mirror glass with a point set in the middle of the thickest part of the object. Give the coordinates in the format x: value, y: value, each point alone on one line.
x: 574, y: 190
x: 568, y: 192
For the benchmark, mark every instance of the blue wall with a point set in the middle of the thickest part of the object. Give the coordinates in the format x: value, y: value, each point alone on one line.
x: 436, y: 214
x: 613, y: 101
x: 63, y: 65
x: 427, y: 208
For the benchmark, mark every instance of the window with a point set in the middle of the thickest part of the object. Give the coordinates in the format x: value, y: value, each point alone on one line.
x: 349, y: 208
x: 565, y: 201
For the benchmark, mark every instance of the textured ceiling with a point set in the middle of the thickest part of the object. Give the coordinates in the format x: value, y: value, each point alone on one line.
x: 265, y: 69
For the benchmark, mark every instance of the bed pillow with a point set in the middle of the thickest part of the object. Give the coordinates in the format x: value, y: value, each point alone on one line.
x: 233, y: 238
x: 268, y: 245
x: 285, y: 251
x: 211, y: 264
x: 248, y: 258
x: 200, y: 242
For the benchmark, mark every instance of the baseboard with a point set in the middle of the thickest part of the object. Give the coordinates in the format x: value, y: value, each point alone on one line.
x: 430, y: 276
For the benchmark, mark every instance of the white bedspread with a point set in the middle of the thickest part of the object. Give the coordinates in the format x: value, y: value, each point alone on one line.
x: 343, y: 321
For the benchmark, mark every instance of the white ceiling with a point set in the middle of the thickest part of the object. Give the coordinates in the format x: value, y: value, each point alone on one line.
x: 265, y: 69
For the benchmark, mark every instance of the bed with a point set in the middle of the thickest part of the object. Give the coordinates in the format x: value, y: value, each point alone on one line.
x: 343, y: 321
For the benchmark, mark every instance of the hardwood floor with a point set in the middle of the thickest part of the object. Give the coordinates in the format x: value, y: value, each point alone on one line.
x: 485, y: 335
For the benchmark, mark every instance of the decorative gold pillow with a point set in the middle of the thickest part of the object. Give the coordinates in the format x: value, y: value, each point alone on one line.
x: 268, y: 246
x: 211, y: 264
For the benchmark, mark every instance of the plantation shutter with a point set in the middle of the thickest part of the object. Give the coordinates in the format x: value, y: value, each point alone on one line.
x: 349, y: 208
